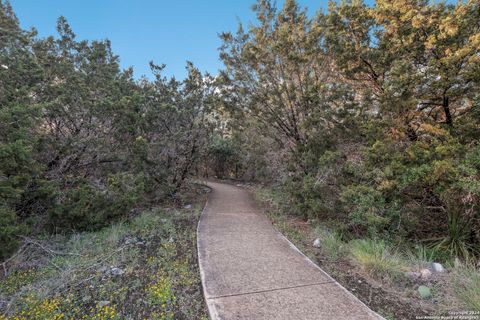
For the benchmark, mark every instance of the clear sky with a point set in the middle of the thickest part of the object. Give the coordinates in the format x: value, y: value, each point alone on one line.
x: 165, y: 31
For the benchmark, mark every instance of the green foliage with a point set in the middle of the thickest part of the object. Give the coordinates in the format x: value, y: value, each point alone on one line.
x: 81, y: 141
x: 458, y: 241
x: 467, y: 287
x: 312, y: 192
x: 84, y: 207
x: 375, y: 111
x: 223, y: 154
x: 367, y: 209
x: 9, y: 231
x: 424, y: 292
x: 331, y: 242
x: 161, y: 279
x: 375, y: 257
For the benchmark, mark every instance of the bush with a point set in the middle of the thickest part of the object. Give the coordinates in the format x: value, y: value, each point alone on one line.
x: 314, y: 193
x: 368, y: 212
x: 9, y: 231
x: 223, y: 156
x: 458, y: 241
x: 87, y: 207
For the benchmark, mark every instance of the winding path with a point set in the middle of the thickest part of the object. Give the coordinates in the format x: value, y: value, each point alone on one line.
x: 250, y: 271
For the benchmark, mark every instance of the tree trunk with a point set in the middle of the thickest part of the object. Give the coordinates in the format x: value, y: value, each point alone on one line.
x: 446, y: 110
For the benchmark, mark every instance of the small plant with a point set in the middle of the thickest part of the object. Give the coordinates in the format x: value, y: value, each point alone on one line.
x: 458, y: 240
x: 421, y: 256
x: 46, y: 309
x: 160, y: 293
x: 375, y: 258
x: 331, y: 242
x: 103, y: 313
x: 424, y: 292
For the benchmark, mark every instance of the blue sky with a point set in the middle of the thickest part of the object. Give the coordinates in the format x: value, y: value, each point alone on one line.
x: 165, y: 31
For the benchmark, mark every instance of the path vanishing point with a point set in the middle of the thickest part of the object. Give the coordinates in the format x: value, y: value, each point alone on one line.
x: 250, y: 271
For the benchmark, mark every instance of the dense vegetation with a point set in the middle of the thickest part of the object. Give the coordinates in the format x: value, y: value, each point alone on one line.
x: 363, y: 119
x: 82, y: 143
x: 141, y: 268
x: 366, y: 117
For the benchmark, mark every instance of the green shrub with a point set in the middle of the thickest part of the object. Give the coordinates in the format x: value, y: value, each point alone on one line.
x: 458, y: 241
x: 223, y: 156
x: 9, y: 231
x: 367, y: 209
x: 312, y: 193
x: 87, y: 207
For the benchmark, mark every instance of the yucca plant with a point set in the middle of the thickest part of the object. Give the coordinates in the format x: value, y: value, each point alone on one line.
x: 458, y: 241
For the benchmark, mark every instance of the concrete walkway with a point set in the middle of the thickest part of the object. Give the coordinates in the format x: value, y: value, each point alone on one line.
x: 250, y: 271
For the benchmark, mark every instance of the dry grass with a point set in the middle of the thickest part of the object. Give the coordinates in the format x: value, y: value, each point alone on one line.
x: 72, y: 277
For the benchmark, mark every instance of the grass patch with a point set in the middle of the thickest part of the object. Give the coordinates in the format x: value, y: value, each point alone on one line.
x: 331, y: 242
x: 467, y: 287
x: 421, y: 256
x: 142, y: 268
x: 376, y: 258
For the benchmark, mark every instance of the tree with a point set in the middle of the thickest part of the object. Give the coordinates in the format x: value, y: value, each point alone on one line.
x: 276, y: 71
x: 81, y: 141
x: 416, y: 61
x: 19, y: 78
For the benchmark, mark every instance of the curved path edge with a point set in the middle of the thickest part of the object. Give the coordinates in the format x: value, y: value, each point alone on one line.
x: 212, y: 311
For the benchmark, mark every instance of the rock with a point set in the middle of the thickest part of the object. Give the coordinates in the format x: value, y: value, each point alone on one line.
x: 103, y: 303
x: 317, y: 243
x: 437, y: 267
x: 117, y: 271
x: 130, y: 240
x: 239, y: 185
x: 188, y: 207
x: 134, y: 241
x: 424, y: 292
x: 425, y: 274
